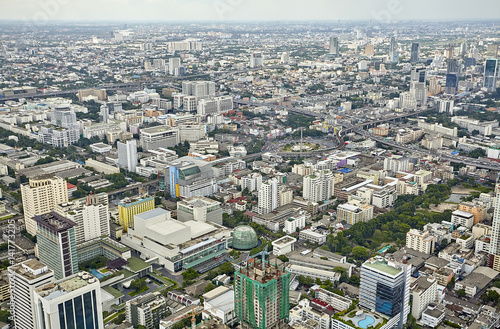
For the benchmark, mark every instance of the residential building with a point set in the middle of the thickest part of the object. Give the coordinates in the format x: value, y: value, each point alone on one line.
x: 353, y: 214
x: 319, y: 186
x: 422, y: 241
x: 268, y: 196
x: 127, y: 155
x: 385, y: 288
x: 90, y: 214
x: 40, y: 195
x: 396, y: 163
x: 262, y: 288
x: 338, y: 303
x: 129, y: 207
x: 146, y: 310
x: 199, y: 209
x: 423, y: 292
x: 70, y: 303
x: 298, y: 221
x: 24, y: 278
x: 256, y: 60
x: 57, y: 244
x: 476, y: 208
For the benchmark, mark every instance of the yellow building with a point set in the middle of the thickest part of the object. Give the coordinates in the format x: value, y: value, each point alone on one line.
x: 130, y: 207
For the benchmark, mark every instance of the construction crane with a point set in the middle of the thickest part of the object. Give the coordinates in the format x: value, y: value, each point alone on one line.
x: 193, y: 314
x: 263, y: 254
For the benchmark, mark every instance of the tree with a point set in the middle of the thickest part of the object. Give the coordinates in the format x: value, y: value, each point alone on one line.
x: 360, y: 253
x: 139, y: 285
x: 354, y: 280
x: 283, y: 258
x: 461, y: 292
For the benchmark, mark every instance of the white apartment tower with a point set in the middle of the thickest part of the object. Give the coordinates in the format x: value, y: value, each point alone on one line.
x: 127, y: 155
x: 252, y: 182
x: 90, y: 214
x: 24, y: 278
x: 319, y: 186
x: 268, y: 196
x: 40, y: 195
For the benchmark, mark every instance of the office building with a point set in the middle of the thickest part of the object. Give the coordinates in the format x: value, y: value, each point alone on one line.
x: 334, y: 46
x: 129, y: 207
x: 256, y: 60
x: 268, y: 196
x: 490, y: 75
x: 24, y: 278
x: 261, y: 296
x: 422, y: 241
x: 451, y: 84
x: 64, y: 117
x: 414, y: 55
x: 191, y: 132
x: 90, y: 214
x: 40, y: 195
x: 199, y: 209
x: 385, y: 288
x: 159, y: 137
x: 70, y: 303
x: 252, y: 182
x: 419, y: 92
x: 393, y: 51
x: 215, y: 105
x: 418, y: 74
x: 127, y: 155
x: 319, y: 186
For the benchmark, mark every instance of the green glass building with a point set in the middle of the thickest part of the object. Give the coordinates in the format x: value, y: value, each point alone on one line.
x: 244, y: 238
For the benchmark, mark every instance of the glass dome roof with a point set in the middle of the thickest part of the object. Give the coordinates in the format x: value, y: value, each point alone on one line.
x: 244, y: 238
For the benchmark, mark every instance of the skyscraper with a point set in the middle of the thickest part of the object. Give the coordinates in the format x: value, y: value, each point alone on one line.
x: 104, y: 113
x: 490, y: 75
x: 393, y: 52
x: 268, y: 196
x: 90, y: 214
x: 385, y: 288
x: 40, y: 195
x: 57, y: 244
x: 261, y: 296
x: 418, y: 74
x: 415, y: 49
x: 127, y: 155
x: 70, y: 303
x: 24, y: 278
x: 319, y: 186
x: 256, y: 60
x: 419, y: 91
x: 334, y: 46
x: 494, y: 259
x: 173, y: 63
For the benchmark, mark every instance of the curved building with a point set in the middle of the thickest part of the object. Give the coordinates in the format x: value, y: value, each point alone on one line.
x: 244, y: 238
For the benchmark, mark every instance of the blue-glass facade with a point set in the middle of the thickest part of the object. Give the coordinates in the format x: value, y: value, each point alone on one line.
x: 79, y: 312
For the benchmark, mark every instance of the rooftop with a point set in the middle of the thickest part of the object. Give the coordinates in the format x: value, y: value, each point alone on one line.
x: 382, y: 266
x: 62, y: 287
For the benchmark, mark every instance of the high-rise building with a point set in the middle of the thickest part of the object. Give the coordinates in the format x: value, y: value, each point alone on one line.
x: 198, y: 88
x: 261, y: 296
x: 490, y: 75
x: 173, y: 63
x: 24, y: 278
x: 70, y: 303
x: 451, y: 84
x: 393, y: 52
x: 127, y: 155
x: 285, y: 58
x: 160, y: 136
x: 147, y: 310
x: 199, y: 209
x: 104, y: 113
x: 418, y: 74
x: 57, y: 244
x: 252, y: 182
x: 65, y: 117
x: 415, y: 49
x: 334, y: 46
x: 446, y: 106
x: 422, y: 241
x: 385, y: 288
x: 40, y: 195
x: 129, y: 207
x: 319, y: 186
x: 494, y: 259
x: 90, y: 214
x: 256, y: 60
x: 268, y: 196
x: 419, y: 92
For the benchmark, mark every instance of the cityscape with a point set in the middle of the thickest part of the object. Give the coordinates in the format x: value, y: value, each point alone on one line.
x: 328, y: 167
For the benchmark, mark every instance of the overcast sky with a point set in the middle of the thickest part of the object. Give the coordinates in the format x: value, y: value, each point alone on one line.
x: 231, y: 10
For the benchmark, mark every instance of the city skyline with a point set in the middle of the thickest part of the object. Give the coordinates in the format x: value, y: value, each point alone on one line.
x: 238, y: 10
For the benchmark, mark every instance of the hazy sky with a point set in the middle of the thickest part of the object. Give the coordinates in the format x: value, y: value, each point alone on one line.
x: 231, y: 10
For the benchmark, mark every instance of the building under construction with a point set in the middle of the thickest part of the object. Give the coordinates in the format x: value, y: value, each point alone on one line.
x: 261, y: 295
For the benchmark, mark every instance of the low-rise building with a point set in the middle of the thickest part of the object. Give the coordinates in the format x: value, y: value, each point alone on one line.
x: 284, y: 245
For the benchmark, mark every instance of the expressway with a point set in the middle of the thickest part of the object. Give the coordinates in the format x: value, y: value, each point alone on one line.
x: 139, y: 85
